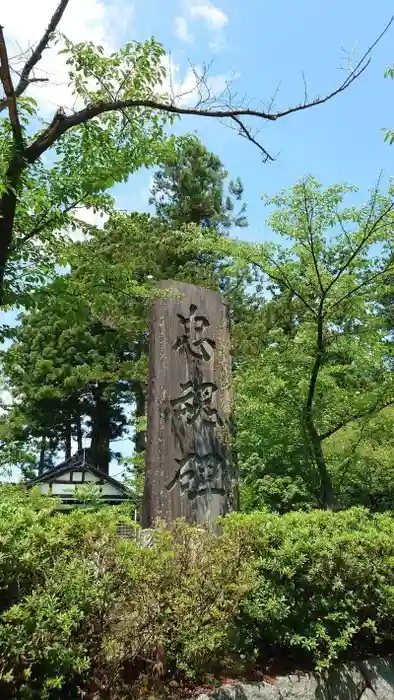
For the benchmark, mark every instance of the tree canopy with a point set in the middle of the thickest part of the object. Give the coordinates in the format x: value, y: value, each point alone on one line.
x: 311, y: 318
x: 122, y: 108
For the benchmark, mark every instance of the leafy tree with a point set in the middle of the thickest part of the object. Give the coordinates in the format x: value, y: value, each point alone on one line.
x: 117, y: 268
x: 113, y: 271
x: 328, y: 369
x: 86, y: 162
x: 122, y: 108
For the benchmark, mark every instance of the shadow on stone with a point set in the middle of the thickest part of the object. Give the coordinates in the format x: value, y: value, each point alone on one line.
x: 253, y: 691
x: 379, y: 676
x: 344, y: 683
x: 372, y: 679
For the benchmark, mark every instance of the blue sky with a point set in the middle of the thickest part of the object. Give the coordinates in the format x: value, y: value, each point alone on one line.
x: 263, y: 45
x: 270, y: 43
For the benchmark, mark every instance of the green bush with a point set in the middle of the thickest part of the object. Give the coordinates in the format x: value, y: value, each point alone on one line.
x: 324, y: 581
x: 81, y: 608
x: 82, y: 612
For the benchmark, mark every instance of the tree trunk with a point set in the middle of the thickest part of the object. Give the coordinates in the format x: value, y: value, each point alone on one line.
x: 8, y: 203
x: 79, y: 432
x: 326, y: 487
x: 41, y: 463
x: 67, y: 444
x: 101, y: 428
x: 140, y: 411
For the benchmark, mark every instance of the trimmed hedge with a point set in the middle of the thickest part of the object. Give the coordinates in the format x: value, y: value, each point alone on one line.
x: 84, y: 612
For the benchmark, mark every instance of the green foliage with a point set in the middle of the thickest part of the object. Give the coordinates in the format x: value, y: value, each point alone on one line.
x: 90, y: 326
x: 66, y: 373
x: 85, y: 162
x: 80, y: 608
x: 89, y: 495
x: 323, y: 359
x: 389, y: 133
x: 188, y: 188
x: 323, y: 581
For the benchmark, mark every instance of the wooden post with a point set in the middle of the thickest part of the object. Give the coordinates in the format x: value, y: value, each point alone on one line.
x: 189, y: 468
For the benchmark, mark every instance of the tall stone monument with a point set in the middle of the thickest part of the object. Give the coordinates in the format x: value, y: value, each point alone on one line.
x: 189, y: 469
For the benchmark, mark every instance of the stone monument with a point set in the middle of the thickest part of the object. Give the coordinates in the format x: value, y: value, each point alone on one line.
x: 189, y: 468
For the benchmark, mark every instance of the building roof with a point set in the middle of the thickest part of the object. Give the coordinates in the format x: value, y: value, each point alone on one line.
x: 79, y: 462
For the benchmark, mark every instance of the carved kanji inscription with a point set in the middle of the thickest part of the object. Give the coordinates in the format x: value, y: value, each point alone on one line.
x: 197, y: 475
x: 194, y: 339
x: 189, y: 468
x: 195, y: 402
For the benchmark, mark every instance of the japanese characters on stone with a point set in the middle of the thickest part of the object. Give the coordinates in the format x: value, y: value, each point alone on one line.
x: 189, y: 468
x: 197, y: 474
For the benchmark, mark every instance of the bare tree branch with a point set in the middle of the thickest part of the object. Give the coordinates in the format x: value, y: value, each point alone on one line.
x: 37, y: 52
x: 243, y: 131
x: 361, y: 66
x: 5, y: 77
x: 60, y: 123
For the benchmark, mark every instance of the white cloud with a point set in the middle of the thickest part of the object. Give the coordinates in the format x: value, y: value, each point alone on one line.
x: 181, y: 29
x: 81, y: 21
x: 89, y: 217
x: 194, y: 86
x: 203, y: 10
x: 208, y: 12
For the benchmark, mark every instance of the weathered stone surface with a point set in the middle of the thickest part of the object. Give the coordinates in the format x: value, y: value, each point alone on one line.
x: 244, y: 691
x: 189, y: 472
x: 368, y: 694
x: 298, y: 687
x: 346, y: 681
x: 368, y: 680
x: 380, y: 676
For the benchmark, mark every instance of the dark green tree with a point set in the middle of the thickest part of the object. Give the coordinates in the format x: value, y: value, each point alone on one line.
x: 190, y: 188
x: 69, y: 377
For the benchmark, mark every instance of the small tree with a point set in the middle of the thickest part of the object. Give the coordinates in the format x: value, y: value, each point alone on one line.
x: 329, y: 368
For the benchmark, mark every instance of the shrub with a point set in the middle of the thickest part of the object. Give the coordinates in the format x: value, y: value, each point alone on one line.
x: 323, y: 580
x: 82, y: 612
x: 82, y: 608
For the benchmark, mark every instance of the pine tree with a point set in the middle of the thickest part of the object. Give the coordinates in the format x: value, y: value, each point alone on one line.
x: 189, y: 188
x: 68, y: 375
